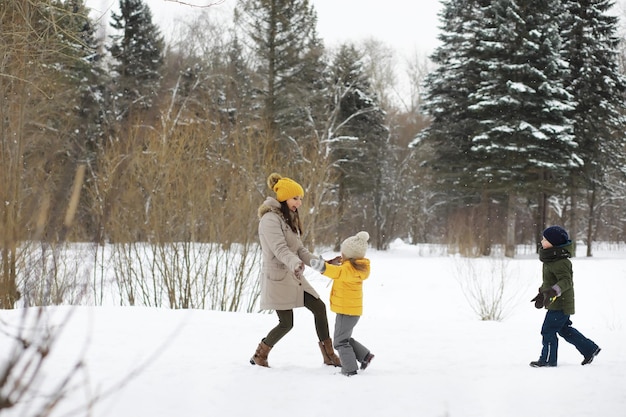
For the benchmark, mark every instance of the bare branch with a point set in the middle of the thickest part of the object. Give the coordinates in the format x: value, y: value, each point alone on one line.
x: 216, y: 3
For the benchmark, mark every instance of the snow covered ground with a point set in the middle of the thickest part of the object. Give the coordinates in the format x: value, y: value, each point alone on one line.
x: 434, y: 356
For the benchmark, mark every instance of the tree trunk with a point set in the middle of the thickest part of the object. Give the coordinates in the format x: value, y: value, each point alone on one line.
x: 541, y: 215
x: 573, y: 229
x: 590, y: 219
x: 509, y: 246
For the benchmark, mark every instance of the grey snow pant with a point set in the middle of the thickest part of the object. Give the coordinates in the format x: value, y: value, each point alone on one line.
x: 350, y: 351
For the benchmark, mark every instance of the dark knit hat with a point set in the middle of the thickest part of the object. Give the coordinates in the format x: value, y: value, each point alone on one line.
x: 556, y: 235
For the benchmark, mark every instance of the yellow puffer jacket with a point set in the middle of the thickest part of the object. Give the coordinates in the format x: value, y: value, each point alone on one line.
x: 346, y: 295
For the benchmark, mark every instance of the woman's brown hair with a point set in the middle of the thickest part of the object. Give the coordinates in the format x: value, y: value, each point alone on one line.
x: 359, y: 266
x: 291, y: 217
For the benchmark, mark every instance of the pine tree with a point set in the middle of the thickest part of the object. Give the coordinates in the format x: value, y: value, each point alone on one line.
x: 525, y: 134
x: 446, y: 96
x: 598, y: 89
x: 501, y: 89
x: 138, y: 55
x: 448, y: 141
x: 81, y: 62
x: 360, y: 147
x: 79, y: 107
x: 283, y: 37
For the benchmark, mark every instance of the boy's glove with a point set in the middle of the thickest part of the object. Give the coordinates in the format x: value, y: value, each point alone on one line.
x: 538, y: 300
x: 318, y: 264
x: 549, y: 296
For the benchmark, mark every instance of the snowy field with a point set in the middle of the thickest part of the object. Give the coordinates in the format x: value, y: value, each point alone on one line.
x: 434, y: 355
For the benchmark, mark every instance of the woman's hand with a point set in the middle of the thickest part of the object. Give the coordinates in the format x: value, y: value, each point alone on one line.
x: 299, y: 271
x: 335, y: 261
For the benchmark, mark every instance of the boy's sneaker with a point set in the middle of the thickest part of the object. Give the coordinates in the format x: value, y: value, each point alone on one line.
x: 589, y: 359
x: 366, y: 361
x: 349, y: 373
x: 540, y: 364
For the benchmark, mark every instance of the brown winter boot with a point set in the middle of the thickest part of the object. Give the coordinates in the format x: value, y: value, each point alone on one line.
x: 330, y: 358
x: 260, y: 356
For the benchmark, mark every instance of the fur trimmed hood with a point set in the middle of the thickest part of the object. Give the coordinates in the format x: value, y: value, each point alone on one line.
x: 270, y: 204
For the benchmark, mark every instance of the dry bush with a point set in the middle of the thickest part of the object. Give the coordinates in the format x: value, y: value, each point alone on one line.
x: 35, y: 380
x: 489, y: 285
x: 27, y: 351
x: 462, y: 236
x: 54, y: 273
x: 36, y: 162
x: 160, y: 193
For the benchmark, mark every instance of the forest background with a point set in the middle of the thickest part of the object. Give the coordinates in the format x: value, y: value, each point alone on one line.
x: 139, y: 144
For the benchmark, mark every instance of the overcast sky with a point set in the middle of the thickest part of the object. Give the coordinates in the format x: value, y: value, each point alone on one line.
x: 407, y: 26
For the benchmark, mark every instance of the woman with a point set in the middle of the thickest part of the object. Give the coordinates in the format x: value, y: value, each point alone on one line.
x: 283, y: 286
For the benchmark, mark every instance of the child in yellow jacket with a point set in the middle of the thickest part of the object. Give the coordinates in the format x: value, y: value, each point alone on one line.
x: 346, y: 299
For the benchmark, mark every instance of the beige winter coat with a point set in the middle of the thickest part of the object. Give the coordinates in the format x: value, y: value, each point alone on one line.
x: 282, y: 252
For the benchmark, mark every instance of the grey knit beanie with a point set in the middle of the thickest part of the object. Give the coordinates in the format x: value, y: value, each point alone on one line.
x: 355, y: 246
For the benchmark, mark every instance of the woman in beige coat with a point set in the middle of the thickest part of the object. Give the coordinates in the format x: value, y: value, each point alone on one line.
x: 283, y: 285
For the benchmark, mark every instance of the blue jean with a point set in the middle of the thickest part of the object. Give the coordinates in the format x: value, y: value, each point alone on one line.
x: 558, y: 322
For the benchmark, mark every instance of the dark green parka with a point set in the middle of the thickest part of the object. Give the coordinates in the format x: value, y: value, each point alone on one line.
x: 557, y: 269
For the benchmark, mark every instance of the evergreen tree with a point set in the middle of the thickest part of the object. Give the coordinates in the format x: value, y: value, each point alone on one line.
x: 447, y: 91
x: 82, y: 65
x: 79, y: 105
x: 448, y: 141
x: 360, y: 147
x: 591, y: 48
x: 138, y: 55
x: 525, y: 135
x: 501, y: 86
x: 240, y: 88
x: 283, y: 37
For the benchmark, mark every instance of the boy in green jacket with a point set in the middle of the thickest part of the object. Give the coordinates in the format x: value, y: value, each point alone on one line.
x: 557, y: 295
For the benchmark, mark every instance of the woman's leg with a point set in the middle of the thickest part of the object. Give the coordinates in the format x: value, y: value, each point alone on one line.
x: 285, y: 324
x: 318, y: 308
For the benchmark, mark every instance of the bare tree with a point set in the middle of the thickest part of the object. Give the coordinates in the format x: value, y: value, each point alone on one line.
x: 37, y: 167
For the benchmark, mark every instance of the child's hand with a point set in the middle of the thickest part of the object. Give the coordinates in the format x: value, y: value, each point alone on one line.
x: 318, y: 264
x: 538, y: 300
x: 549, y: 296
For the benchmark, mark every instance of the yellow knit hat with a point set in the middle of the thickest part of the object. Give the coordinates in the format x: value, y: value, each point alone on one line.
x: 285, y: 188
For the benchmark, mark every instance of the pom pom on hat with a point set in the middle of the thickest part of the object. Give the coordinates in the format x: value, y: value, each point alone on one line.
x: 285, y: 188
x: 556, y: 235
x: 354, y: 247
